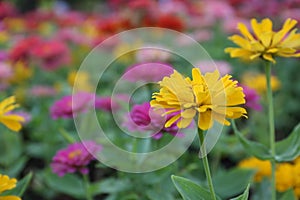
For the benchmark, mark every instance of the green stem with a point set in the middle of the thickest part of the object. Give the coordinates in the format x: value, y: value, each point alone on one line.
x: 271, y: 127
x: 87, y: 187
x: 206, y: 165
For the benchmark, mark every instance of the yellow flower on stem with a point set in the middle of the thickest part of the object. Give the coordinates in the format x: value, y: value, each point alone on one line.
x: 212, y: 97
x: 7, y: 183
x: 266, y: 43
x: 11, y: 121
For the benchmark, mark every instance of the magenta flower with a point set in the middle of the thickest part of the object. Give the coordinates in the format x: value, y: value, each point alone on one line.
x: 147, y: 72
x: 66, y: 108
x: 142, y: 118
x: 252, y: 98
x: 75, y: 158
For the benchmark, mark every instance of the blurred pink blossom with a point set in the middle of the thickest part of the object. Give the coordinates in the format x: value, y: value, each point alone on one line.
x: 106, y: 103
x: 147, y: 72
x: 155, y: 54
x: 75, y: 158
x: 42, y: 91
x: 5, y: 71
x: 66, y: 108
x: 252, y: 98
x: 210, y: 66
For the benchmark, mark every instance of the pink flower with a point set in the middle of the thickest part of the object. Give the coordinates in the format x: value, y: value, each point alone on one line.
x: 209, y: 66
x: 66, y: 108
x: 142, y: 118
x: 52, y: 54
x: 42, y: 91
x: 106, y: 104
x: 147, y: 72
x: 5, y: 72
x: 155, y: 54
x: 217, y: 9
x: 252, y: 98
x: 74, y: 158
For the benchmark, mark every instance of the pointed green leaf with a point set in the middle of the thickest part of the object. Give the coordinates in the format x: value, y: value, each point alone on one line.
x: 289, y: 148
x: 69, y: 184
x: 243, y: 196
x: 227, y: 188
x: 21, y: 186
x: 256, y: 149
x: 190, y: 190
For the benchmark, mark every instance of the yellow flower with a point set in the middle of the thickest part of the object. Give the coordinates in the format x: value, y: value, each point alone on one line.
x: 83, y: 81
x: 265, y: 43
x: 7, y: 183
x: 297, y: 177
x: 262, y: 167
x: 21, y: 72
x: 260, y: 81
x: 213, y: 98
x: 11, y: 121
x: 285, y: 177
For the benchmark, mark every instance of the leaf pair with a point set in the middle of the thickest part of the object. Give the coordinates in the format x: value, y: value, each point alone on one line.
x: 287, y: 149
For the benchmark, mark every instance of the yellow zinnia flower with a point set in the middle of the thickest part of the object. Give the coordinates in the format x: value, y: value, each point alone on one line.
x: 213, y: 98
x: 11, y: 121
x: 265, y: 43
x: 7, y: 183
x: 262, y: 167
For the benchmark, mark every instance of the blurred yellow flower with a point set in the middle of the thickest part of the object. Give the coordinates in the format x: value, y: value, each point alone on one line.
x: 265, y: 43
x: 4, y: 37
x: 21, y: 72
x: 11, y: 121
x: 214, y: 98
x: 83, y: 81
x: 285, y: 177
x: 258, y: 81
x: 15, y: 24
x: 125, y: 52
x: 7, y: 183
x: 262, y: 167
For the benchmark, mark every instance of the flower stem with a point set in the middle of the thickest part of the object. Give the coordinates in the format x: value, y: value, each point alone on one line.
x: 206, y: 165
x: 87, y: 187
x: 271, y: 127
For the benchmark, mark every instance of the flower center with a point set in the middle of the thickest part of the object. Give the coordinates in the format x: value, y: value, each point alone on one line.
x: 75, y: 153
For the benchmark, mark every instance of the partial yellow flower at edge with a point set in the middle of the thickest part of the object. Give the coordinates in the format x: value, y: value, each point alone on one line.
x: 11, y: 121
x: 258, y: 82
x: 7, y: 183
x: 265, y: 43
x: 83, y: 81
x: 262, y: 167
x: 211, y: 97
x: 285, y: 177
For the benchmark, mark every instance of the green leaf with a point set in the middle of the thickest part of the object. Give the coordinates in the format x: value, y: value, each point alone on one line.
x: 190, y: 190
x: 226, y: 187
x: 10, y: 147
x: 69, y: 184
x: 256, y: 149
x: 243, y: 196
x: 21, y: 186
x: 288, y: 195
x: 289, y: 148
x: 110, y: 186
x: 16, y: 167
